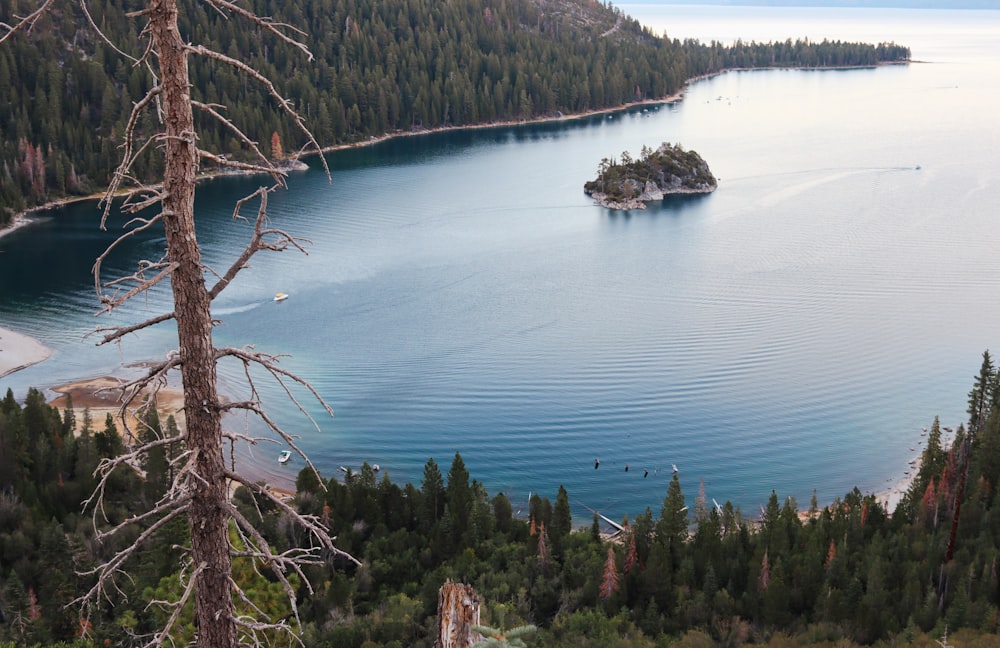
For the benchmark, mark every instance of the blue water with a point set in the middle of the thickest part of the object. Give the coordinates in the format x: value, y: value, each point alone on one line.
x: 793, y: 331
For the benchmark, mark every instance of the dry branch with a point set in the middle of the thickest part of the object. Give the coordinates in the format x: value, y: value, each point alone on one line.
x: 118, y: 332
x: 100, y: 33
x: 283, y: 103
x: 23, y: 23
x: 252, y: 145
x: 199, y: 479
x: 177, y: 606
x: 128, y: 159
x: 278, y: 29
x: 310, y: 523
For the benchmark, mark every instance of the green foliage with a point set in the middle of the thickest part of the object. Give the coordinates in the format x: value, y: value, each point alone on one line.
x: 503, y: 638
x: 44, y: 540
x: 379, y: 68
x: 670, y: 168
x: 847, y: 574
x: 265, y: 599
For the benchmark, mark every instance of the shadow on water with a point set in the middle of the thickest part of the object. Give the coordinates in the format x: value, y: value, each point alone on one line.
x: 674, y: 205
x: 419, y: 146
x: 678, y: 204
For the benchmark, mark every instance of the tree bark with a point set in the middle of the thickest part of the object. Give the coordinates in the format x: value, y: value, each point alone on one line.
x: 458, y: 611
x: 207, y: 515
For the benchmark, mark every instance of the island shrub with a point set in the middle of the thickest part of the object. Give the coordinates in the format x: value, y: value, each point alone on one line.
x: 628, y: 183
x: 380, y: 68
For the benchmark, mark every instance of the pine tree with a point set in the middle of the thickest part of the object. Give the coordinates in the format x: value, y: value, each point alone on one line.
x: 459, y: 494
x: 543, y: 549
x: 764, y: 578
x: 979, y: 397
x: 432, y: 494
x: 631, y: 554
x: 562, y: 520
x: 277, y: 152
x: 672, y: 527
x: 497, y: 638
x: 609, y: 580
x: 155, y: 461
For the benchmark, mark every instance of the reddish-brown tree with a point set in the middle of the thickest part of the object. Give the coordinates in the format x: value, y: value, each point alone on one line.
x: 609, y: 581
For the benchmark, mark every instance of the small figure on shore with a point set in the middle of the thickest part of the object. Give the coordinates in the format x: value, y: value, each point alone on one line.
x: 597, y: 462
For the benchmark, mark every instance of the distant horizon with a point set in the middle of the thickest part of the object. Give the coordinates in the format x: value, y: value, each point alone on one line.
x: 874, y: 4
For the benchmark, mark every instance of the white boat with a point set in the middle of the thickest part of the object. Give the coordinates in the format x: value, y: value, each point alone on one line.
x: 281, y: 296
x: 284, y: 456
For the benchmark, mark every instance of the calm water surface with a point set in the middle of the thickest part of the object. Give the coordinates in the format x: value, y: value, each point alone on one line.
x: 793, y: 331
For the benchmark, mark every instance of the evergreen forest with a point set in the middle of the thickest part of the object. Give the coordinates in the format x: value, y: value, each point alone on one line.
x: 691, y: 574
x: 380, y: 67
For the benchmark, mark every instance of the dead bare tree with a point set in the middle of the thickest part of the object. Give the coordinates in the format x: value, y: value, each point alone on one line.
x: 199, y: 489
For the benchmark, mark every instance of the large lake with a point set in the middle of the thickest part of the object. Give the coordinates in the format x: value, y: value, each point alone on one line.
x: 793, y: 331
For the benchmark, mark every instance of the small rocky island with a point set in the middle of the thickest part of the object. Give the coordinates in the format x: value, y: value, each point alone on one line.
x: 630, y: 184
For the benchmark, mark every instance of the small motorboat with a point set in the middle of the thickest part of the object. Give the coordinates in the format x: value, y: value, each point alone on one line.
x: 284, y: 456
x: 281, y: 296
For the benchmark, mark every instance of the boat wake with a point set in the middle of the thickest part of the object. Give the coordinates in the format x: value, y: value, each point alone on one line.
x: 231, y: 310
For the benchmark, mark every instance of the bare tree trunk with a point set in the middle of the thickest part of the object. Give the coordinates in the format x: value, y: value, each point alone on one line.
x: 458, y: 611
x: 199, y: 486
x: 208, y: 515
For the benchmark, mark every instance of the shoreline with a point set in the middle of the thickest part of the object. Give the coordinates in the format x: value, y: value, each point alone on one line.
x: 19, y: 351
x: 26, y: 217
x: 891, y: 494
x: 99, y: 396
x: 20, y: 220
x: 30, y: 215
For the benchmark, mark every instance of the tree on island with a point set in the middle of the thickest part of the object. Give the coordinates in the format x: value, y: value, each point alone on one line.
x: 630, y: 183
x: 199, y: 488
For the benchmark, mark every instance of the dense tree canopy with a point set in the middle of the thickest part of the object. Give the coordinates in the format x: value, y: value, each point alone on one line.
x: 380, y: 68
x: 853, y: 572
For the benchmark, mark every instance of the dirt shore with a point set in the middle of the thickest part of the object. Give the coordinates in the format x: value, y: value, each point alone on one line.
x: 102, y: 396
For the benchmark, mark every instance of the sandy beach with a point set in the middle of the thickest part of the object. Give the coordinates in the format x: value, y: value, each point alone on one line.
x: 18, y: 351
x: 102, y: 396
x: 891, y: 497
x: 19, y: 221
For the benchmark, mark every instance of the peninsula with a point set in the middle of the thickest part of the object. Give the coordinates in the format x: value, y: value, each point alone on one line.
x: 18, y: 351
x: 630, y: 184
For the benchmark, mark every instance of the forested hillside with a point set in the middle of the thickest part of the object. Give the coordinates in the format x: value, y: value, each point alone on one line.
x: 692, y: 573
x: 381, y: 66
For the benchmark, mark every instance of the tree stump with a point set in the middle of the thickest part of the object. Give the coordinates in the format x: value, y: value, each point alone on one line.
x: 458, y: 611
